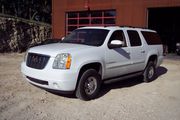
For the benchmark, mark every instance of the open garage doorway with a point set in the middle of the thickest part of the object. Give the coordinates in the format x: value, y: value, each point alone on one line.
x: 166, y: 21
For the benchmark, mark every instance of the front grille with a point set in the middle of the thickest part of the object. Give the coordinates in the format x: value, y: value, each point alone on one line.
x: 37, y: 61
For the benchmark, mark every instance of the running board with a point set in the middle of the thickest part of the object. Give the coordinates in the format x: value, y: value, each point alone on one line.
x: 119, y: 78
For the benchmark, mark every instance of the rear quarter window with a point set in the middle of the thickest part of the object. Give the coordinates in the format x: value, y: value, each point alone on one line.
x: 152, y: 38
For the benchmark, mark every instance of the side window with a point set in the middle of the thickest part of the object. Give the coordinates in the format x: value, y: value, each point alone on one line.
x: 134, y: 38
x: 118, y: 35
x: 151, y: 38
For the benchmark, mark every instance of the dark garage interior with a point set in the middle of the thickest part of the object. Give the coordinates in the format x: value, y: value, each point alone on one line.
x: 166, y: 21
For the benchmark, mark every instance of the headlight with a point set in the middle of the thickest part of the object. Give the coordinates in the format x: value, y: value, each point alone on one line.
x: 62, y: 61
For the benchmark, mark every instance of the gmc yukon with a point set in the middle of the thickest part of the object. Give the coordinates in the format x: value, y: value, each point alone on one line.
x: 89, y: 56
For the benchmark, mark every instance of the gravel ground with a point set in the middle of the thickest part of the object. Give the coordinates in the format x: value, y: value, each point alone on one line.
x: 126, y: 100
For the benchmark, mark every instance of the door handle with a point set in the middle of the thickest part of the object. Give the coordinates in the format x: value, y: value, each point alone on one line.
x: 143, y: 51
x: 128, y: 52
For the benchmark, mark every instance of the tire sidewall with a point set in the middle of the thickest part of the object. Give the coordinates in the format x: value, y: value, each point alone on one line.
x: 80, y: 92
x: 146, y: 72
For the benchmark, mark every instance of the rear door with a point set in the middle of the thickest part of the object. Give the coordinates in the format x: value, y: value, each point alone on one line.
x: 138, y: 52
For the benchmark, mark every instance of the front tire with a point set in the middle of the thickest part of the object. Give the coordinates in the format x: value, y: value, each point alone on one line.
x: 89, y: 85
x: 149, y: 72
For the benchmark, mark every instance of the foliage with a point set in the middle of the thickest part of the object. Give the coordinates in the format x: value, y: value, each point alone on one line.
x: 17, y: 35
x: 38, y: 10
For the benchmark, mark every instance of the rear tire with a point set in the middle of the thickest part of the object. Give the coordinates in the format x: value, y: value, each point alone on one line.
x: 89, y: 85
x: 149, y: 72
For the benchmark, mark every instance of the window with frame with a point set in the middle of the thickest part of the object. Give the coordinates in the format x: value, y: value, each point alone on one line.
x: 75, y: 20
x: 118, y: 35
x: 134, y: 38
x: 152, y: 38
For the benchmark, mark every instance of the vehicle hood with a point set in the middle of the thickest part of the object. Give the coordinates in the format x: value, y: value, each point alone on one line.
x: 57, y: 48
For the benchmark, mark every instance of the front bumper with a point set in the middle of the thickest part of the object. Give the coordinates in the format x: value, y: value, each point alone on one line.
x: 49, y: 78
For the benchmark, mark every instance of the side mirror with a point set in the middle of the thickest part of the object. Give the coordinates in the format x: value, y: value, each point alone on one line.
x: 62, y: 38
x: 115, y: 44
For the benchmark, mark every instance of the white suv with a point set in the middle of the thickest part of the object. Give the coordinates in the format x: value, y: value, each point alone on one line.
x: 92, y: 55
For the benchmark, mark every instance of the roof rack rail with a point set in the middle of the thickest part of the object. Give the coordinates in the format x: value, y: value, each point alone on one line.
x: 134, y: 27
x: 126, y: 26
x: 110, y: 25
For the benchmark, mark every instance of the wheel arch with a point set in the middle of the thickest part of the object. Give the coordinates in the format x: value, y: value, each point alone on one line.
x: 91, y: 65
x: 153, y: 57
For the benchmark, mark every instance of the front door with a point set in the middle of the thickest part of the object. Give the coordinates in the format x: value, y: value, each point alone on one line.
x: 118, y: 60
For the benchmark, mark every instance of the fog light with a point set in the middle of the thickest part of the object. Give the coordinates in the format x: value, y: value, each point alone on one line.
x: 55, y: 85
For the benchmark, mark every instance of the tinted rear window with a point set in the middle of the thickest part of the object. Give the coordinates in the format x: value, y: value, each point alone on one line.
x: 152, y: 38
x: 134, y: 38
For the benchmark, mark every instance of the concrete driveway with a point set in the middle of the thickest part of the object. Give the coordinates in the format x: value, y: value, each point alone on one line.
x: 126, y: 100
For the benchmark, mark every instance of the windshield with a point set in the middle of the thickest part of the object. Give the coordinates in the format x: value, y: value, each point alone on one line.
x: 93, y: 37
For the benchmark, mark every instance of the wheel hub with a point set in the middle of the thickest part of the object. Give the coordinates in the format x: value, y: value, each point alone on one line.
x: 90, y: 85
x: 151, y: 72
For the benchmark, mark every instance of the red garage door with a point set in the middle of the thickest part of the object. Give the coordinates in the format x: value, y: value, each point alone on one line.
x: 75, y: 20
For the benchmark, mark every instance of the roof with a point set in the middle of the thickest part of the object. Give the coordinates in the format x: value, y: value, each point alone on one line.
x: 118, y: 27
